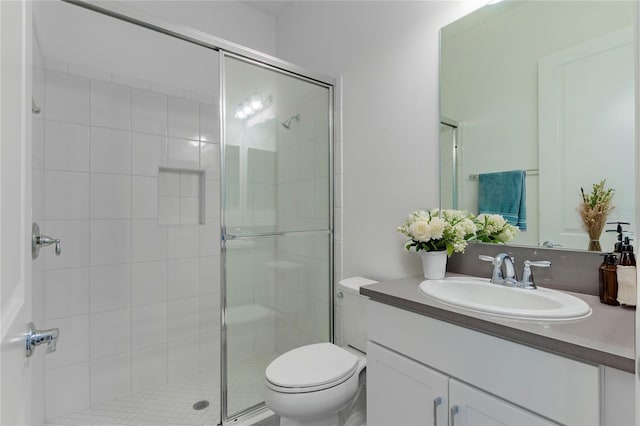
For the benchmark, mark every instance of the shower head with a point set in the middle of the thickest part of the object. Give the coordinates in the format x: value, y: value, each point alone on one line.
x: 287, y: 124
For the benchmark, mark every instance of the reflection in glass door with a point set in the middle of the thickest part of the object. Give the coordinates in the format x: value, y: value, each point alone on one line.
x: 448, y: 164
x: 276, y: 222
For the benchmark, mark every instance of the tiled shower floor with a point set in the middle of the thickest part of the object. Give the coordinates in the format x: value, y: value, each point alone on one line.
x: 172, y: 404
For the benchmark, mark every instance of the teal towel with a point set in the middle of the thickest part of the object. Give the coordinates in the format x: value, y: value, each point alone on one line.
x: 504, y: 193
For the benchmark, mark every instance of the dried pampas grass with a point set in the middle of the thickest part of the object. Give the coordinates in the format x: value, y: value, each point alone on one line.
x: 593, y: 210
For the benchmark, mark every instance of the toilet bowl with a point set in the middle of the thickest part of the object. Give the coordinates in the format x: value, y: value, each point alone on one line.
x: 319, y: 384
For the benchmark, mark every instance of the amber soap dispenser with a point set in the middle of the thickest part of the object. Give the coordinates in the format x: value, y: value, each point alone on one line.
x: 609, y: 280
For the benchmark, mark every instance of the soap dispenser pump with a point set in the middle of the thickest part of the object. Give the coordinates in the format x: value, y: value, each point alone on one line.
x: 626, y: 276
x: 627, y: 258
x: 617, y: 248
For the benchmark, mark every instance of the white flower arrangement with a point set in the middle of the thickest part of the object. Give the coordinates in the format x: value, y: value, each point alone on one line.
x: 493, y: 228
x: 451, y: 230
x: 438, y: 230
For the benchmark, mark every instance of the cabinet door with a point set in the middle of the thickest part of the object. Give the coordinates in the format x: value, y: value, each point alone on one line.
x: 402, y: 392
x: 470, y: 406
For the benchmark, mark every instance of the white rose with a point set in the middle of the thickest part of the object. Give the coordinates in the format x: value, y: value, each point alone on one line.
x: 420, y: 230
x: 437, y: 227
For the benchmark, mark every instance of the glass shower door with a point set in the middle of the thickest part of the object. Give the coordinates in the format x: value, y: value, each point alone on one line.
x: 276, y: 222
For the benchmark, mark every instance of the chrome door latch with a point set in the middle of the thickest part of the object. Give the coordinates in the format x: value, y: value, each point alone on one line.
x: 35, y: 338
x: 38, y: 240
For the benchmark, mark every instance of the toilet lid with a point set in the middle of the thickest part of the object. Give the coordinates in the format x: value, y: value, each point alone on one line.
x: 311, y: 366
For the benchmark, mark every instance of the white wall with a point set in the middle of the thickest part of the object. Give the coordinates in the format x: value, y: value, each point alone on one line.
x: 386, y: 54
x: 230, y: 20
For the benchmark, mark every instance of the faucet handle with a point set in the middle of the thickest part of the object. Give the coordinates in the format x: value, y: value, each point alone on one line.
x: 486, y: 258
x: 527, y: 275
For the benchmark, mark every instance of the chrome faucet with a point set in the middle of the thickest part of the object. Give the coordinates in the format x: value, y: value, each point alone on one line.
x: 504, y: 271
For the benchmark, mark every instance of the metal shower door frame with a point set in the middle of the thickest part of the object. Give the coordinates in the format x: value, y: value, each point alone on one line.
x: 121, y: 11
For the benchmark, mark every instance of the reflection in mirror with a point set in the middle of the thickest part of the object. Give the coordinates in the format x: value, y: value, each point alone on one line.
x: 546, y: 87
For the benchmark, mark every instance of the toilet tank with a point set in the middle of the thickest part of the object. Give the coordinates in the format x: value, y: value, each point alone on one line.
x: 353, y: 311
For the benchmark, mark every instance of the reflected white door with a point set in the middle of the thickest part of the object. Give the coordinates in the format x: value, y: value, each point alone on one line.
x: 586, y: 134
x: 15, y: 211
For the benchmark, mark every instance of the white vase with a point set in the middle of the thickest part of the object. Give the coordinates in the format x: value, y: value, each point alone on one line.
x: 434, y: 264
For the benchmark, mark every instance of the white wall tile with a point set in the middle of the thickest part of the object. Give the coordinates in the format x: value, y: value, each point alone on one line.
x: 110, y: 333
x: 182, y: 318
x: 210, y: 238
x: 144, y: 197
x: 167, y: 90
x: 126, y: 80
x: 149, y: 241
x: 148, y: 154
x: 209, y: 275
x: 212, y: 199
x: 66, y: 292
x: 110, y: 378
x: 149, y: 282
x: 37, y: 142
x: 182, y: 359
x: 73, y: 346
x: 67, y: 146
x: 88, y: 72
x: 169, y: 210
x: 183, y: 119
x: 149, y: 112
x: 209, y: 353
x: 110, y: 151
x: 190, y: 184
x: 110, y: 105
x: 110, y: 196
x: 183, y: 153
x: 74, y: 236
x: 169, y: 183
x: 209, y: 308
x: 66, y: 195
x: 67, y: 98
x: 264, y: 334
x: 183, y: 278
x: 149, y: 325
x: 184, y: 242
x: 110, y: 242
x: 210, y: 159
x: 149, y: 369
x: 110, y: 287
x: 209, y: 118
x: 189, y: 211
x: 67, y: 390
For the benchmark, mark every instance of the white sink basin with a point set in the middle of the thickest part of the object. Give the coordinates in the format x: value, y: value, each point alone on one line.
x: 479, y: 295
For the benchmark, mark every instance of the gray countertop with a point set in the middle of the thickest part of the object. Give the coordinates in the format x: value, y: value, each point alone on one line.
x: 606, y: 337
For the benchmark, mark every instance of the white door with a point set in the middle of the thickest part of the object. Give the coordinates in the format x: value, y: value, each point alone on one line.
x: 402, y: 392
x: 586, y: 134
x: 15, y: 211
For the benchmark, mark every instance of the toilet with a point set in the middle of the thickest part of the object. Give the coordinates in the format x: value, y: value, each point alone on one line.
x: 322, y: 384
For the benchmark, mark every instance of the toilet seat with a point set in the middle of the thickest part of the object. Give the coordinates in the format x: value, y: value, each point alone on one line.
x: 311, y: 368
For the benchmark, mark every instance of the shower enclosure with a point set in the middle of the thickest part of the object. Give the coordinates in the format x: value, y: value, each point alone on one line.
x: 189, y: 182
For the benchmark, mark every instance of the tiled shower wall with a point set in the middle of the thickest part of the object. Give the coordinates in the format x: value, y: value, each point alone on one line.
x: 302, y: 293
x: 136, y: 299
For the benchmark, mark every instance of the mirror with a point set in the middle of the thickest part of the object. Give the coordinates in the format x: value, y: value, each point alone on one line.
x: 546, y: 87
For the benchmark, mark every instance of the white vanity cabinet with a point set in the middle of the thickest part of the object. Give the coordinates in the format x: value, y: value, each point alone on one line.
x: 403, y: 392
x: 413, y: 359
